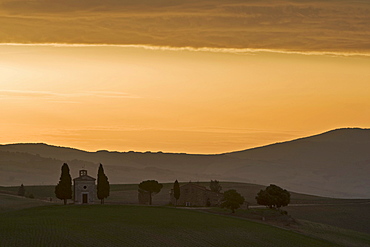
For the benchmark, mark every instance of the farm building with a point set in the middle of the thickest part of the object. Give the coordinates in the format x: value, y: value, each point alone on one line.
x: 84, y: 189
x: 192, y: 194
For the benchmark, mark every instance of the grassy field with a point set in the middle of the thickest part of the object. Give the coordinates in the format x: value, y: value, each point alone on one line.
x: 11, y: 203
x: 117, y: 225
x: 39, y: 191
x: 349, y: 214
x: 355, y: 216
x: 342, y: 236
x: 334, y: 234
x: 45, y: 226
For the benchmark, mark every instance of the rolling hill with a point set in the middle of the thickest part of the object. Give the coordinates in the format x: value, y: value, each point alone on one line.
x: 334, y: 164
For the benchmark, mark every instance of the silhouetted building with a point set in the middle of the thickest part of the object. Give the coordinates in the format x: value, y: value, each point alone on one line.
x: 192, y: 194
x: 84, y: 189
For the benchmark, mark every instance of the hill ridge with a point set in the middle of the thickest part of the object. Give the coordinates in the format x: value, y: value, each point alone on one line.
x: 181, y: 153
x: 303, y: 138
x: 335, y: 163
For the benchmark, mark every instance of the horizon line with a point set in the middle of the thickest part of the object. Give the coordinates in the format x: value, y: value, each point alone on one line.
x: 165, y: 152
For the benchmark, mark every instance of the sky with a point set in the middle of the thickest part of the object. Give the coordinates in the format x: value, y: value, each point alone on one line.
x: 175, y: 100
x: 196, y: 76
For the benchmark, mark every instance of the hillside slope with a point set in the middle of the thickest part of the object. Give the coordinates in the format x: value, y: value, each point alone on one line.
x: 334, y: 164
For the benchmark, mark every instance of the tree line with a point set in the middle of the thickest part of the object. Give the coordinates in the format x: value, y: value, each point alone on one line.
x: 272, y: 197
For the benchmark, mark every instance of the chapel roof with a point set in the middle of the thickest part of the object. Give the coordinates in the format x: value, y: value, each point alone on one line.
x: 84, y: 178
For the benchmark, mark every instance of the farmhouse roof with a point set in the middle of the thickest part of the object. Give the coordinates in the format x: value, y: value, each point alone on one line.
x: 199, y: 187
x: 194, y: 185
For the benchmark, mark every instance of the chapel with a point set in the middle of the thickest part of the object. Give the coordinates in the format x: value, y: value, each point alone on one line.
x: 84, y: 188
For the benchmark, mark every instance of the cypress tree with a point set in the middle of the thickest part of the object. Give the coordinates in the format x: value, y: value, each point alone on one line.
x: 215, y: 186
x: 63, y: 190
x: 21, y: 190
x: 103, y: 185
x: 176, y: 190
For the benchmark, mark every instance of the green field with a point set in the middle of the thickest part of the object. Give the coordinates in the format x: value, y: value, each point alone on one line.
x: 26, y: 222
x: 11, y: 203
x: 116, y: 225
x: 343, y: 236
x: 351, y: 214
x: 354, y: 216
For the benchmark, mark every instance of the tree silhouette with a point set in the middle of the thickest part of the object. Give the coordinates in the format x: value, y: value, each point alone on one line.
x: 215, y: 186
x: 150, y: 187
x: 176, y: 190
x: 103, y: 185
x: 273, y: 197
x: 63, y: 190
x: 21, y: 190
x: 232, y: 200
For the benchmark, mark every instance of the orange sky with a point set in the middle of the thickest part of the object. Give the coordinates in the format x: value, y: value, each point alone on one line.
x: 131, y: 98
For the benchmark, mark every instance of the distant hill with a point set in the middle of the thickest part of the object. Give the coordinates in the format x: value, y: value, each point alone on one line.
x: 334, y: 164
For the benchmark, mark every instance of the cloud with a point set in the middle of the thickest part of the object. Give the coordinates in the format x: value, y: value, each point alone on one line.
x: 110, y: 94
x: 240, y: 51
x: 27, y: 93
x: 307, y: 26
x: 63, y: 97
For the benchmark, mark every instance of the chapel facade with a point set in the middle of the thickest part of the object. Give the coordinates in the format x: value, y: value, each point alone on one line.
x: 84, y: 188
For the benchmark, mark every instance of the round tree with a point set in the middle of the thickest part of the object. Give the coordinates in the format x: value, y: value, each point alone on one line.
x: 102, y: 187
x: 232, y: 200
x: 151, y: 187
x: 63, y: 190
x: 273, y: 197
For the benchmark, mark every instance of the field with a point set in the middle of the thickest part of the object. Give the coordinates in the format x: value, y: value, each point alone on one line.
x: 11, y: 203
x: 355, y: 216
x: 342, y: 236
x: 28, y: 222
x: 117, y: 225
x: 349, y: 214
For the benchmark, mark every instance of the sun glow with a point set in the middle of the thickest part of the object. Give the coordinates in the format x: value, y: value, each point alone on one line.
x: 178, y: 100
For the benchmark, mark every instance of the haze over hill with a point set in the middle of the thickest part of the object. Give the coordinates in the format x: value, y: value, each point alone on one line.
x: 334, y: 164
